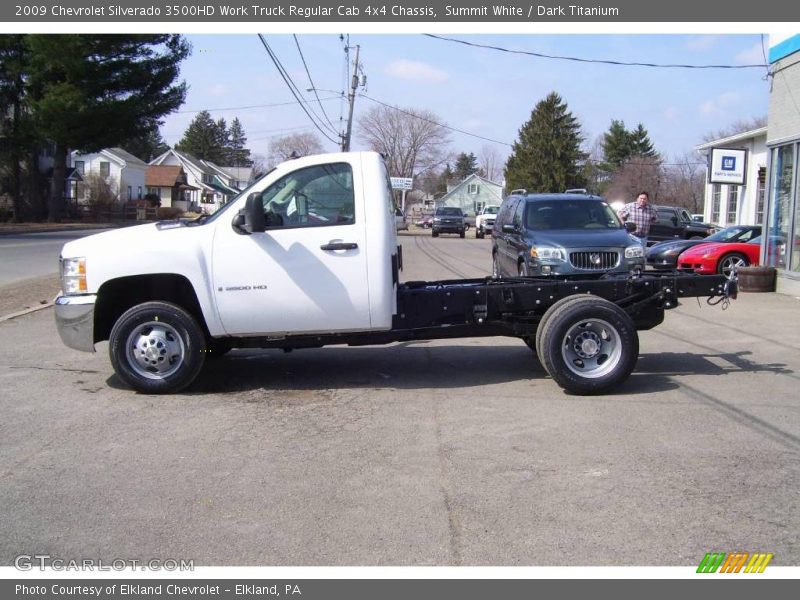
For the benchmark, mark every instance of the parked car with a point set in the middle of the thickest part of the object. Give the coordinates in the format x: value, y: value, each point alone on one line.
x: 448, y: 219
x: 562, y: 234
x: 720, y: 257
x: 675, y: 222
x: 400, y: 222
x: 425, y: 222
x: 664, y: 255
x: 484, y: 222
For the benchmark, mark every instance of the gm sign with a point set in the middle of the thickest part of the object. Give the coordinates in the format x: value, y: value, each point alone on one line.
x: 728, y: 166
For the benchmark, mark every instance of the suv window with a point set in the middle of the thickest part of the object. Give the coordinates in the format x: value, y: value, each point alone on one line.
x: 448, y: 211
x: 566, y: 214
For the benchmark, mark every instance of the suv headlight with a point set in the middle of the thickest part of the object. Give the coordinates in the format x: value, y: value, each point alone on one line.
x: 547, y: 253
x: 634, y: 251
x: 73, y: 275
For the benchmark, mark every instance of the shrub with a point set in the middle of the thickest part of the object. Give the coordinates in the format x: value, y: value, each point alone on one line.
x: 168, y: 212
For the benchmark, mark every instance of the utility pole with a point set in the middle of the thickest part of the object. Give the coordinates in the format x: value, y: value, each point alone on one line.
x: 351, y: 97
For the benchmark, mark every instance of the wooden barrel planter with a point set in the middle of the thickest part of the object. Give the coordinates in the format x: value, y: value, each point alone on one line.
x: 757, y: 279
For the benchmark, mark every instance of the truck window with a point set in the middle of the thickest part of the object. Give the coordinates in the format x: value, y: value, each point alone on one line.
x: 316, y: 196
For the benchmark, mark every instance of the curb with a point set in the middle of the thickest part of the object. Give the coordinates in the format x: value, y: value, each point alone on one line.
x: 27, y: 311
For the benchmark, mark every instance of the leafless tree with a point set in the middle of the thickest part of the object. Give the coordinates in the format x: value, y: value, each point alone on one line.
x: 491, y: 162
x: 684, y: 183
x: 411, y: 140
x: 737, y: 126
x: 282, y: 147
x: 639, y: 173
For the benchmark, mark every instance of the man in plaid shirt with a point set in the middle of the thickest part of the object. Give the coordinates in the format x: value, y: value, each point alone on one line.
x: 641, y: 213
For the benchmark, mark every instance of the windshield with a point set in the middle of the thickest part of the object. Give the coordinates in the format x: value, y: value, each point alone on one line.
x: 741, y: 234
x: 567, y: 214
x: 491, y: 210
x: 448, y: 211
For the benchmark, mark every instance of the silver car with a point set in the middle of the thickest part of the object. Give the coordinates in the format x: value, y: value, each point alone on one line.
x: 562, y: 234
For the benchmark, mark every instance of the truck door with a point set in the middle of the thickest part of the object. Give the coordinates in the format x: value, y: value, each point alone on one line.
x: 307, y: 272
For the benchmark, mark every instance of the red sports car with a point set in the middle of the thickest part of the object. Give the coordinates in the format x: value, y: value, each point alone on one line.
x: 713, y: 258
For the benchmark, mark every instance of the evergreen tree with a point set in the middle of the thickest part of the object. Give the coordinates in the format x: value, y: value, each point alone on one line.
x: 203, y: 139
x: 89, y: 92
x: 547, y: 155
x: 640, y: 142
x: 239, y: 156
x: 466, y: 165
x: 223, y: 142
x: 148, y: 144
x: 617, y: 146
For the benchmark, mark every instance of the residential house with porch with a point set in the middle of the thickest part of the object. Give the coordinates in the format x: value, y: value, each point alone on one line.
x: 212, y: 187
x: 121, y: 170
x: 169, y: 183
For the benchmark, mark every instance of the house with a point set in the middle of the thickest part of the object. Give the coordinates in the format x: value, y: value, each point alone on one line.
x: 169, y: 183
x: 781, y: 244
x: 211, y: 185
x: 121, y: 170
x: 472, y: 194
x: 732, y: 204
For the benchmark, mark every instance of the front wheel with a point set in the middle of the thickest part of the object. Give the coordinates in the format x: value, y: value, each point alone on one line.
x: 479, y: 233
x: 730, y: 262
x: 434, y: 233
x: 589, y: 345
x: 157, y: 348
x: 495, y: 266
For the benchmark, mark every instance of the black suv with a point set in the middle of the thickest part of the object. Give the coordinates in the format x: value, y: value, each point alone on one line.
x: 448, y: 219
x: 675, y: 222
x: 562, y: 234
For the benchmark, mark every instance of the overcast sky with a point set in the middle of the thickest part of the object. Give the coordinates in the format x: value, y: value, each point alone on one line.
x: 481, y: 91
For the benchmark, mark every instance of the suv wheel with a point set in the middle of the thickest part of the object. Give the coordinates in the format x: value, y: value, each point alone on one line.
x: 434, y: 233
x: 589, y: 345
x: 462, y: 233
x: 495, y: 266
x: 479, y: 233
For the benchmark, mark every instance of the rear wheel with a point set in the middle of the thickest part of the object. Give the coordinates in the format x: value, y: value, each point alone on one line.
x: 157, y: 348
x: 549, y: 313
x: 462, y: 234
x: 730, y: 262
x: 479, y: 233
x: 434, y: 233
x: 589, y: 345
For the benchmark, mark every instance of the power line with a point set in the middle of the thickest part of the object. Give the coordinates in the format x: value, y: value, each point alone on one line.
x: 311, y: 81
x: 590, y: 60
x: 292, y: 88
x: 250, y: 106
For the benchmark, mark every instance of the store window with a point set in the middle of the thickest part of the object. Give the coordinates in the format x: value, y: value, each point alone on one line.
x: 760, y: 195
x: 783, y: 165
x: 716, y: 201
x: 732, y: 217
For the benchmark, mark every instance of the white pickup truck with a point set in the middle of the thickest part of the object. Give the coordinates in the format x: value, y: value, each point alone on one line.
x: 307, y: 257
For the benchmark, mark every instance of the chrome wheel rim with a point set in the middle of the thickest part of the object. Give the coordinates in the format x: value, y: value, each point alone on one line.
x: 155, y: 350
x: 730, y: 264
x: 591, y: 348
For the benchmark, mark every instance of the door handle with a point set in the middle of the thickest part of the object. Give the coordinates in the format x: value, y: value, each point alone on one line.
x: 330, y: 246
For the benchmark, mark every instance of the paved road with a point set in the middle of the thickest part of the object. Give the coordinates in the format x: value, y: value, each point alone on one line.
x: 431, y: 453
x: 26, y: 255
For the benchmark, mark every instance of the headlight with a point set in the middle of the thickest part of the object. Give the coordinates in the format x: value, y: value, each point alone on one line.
x: 634, y: 251
x: 436, y: 219
x: 73, y: 275
x: 547, y: 253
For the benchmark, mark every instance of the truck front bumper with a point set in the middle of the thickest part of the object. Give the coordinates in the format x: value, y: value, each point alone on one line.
x: 75, y: 321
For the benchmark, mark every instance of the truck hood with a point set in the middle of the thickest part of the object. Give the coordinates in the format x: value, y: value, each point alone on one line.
x: 122, y: 239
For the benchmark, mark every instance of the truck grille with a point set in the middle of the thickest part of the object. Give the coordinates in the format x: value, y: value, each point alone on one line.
x: 594, y: 261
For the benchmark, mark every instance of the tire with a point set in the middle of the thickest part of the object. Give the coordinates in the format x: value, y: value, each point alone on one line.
x: 434, y: 233
x: 495, y: 266
x: 157, y: 348
x: 480, y: 234
x: 549, y: 313
x: 730, y: 262
x: 589, y: 346
x: 462, y: 234
x: 522, y: 269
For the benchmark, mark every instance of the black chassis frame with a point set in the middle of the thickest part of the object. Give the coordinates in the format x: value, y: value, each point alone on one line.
x: 513, y: 307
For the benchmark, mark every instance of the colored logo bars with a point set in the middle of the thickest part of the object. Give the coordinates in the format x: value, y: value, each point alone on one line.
x: 735, y: 562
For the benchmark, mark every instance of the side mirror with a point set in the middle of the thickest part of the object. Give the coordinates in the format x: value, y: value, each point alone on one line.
x: 630, y: 226
x: 251, y: 218
x: 509, y: 229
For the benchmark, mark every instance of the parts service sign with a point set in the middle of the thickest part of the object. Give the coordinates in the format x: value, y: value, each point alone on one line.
x: 728, y: 166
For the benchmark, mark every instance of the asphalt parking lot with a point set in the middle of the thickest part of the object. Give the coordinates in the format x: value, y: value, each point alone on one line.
x: 455, y: 452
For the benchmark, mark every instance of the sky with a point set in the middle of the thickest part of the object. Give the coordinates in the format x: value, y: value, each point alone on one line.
x: 484, y: 92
